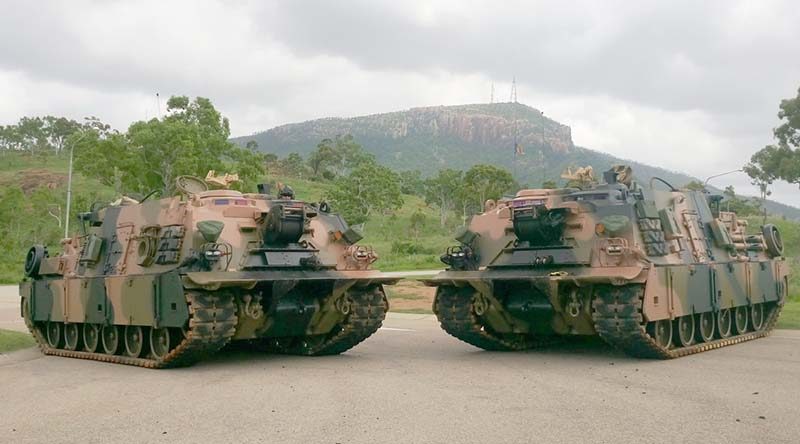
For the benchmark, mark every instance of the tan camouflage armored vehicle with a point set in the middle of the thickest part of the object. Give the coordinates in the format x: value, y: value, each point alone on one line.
x: 162, y: 283
x: 655, y: 271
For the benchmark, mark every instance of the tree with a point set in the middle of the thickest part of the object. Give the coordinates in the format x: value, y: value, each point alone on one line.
x: 780, y: 161
x: 368, y: 189
x: 695, y: 185
x: 321, y: 158
x: 443, y: 192
x: 742, y: 207
x: 38, y: 135
x: 416, y: 223
x: 487, y: 182
x: 549, y: 184
x: 271, y: 162
x: 57, y: 130
x: 190, y: 140
x: 348, y: 154
x: 411, y: 182
x: 292, y: 165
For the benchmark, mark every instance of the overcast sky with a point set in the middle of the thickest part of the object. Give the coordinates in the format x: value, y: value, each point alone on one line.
x: 690, y: 86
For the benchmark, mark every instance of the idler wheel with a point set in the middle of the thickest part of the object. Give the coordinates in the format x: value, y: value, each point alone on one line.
x: 53, y: 331
x: 740, y: 318
x: 707, y: 326
x: 72, y: 337
x: 757, y: 316
x: 91, y: 337
x: 661, y: 331
x: 686, y: 331
x: 725, y: 323
x: 110, y: 338
x: 134, y: 341
x: 161, y: 342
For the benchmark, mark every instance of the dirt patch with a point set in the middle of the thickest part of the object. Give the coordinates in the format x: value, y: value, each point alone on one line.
x: 30, y: 180
x: 410, y: 296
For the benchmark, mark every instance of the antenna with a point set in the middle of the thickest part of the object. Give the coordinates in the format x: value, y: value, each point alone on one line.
x: 517, y: 148
x: 513, y: 98
x: 719, y: 175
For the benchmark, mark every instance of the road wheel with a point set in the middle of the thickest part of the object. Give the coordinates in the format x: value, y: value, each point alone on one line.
x: 757, y: 316
x: 707, y: 326
x: 740, y: 319
x: 724, y: 323
x: 686, y: 330
x: 110, y: 338
x: 134, y: 341
x: 72, y: 336
x: 161, y: 342
x: 661, y: 331
x: 91, y: 337
x: 54, y: 334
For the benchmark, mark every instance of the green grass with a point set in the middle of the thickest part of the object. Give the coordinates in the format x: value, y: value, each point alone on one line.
x: 304, y: 189
x: 13, y: 340
x: 429, y: 239
x: 43, y: 180
x: 790, y: 317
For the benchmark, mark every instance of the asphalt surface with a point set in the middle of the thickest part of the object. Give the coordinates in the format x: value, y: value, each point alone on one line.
x: 410, y: 383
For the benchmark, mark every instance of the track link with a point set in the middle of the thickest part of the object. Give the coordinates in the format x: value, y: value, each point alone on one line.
x: 453, y: 308
x: 212, y: 323
x: 368, y: 310
x: 618, y: 319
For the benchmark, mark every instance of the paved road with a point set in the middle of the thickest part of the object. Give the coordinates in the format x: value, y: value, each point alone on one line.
x: 412, y: 383
x: 9, y: 308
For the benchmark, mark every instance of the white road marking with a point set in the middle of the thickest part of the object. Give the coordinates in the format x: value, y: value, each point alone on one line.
x: 396, y: 329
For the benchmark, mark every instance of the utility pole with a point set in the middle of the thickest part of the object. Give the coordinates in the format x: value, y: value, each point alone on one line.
x: 69, y: 184
x: 491, y: 98
x: 158, y: 106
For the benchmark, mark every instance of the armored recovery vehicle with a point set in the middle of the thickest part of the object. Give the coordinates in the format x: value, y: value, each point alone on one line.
x: 655, y: 271
x: 162, y: 283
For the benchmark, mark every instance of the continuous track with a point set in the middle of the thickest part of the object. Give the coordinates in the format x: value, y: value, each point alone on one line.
x: 368, y: 310
x: 617, y: 315
x: 618, y: 320
x: 453, y: 308
x: 212, y: 322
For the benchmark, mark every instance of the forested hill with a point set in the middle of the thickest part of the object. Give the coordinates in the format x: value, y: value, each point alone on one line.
x: 428, y: 139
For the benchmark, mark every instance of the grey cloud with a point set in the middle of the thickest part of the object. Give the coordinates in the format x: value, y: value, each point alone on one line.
x: 672, y: 55
x: 728, y: 63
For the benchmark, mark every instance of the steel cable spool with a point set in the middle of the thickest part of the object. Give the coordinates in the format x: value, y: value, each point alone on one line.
x: 284, y: 225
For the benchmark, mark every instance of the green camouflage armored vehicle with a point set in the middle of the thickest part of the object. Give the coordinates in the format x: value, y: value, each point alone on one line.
x: 162, y: 283
x: 655, y: 271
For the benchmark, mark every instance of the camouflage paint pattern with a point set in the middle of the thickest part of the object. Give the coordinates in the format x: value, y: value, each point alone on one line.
x: 536, y: 263
x: 136, y: 262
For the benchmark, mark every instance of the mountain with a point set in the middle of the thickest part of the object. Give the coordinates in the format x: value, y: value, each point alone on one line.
x: 431, y: 138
